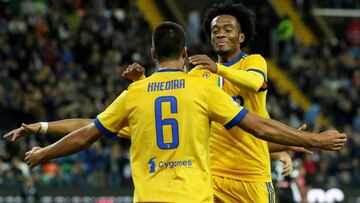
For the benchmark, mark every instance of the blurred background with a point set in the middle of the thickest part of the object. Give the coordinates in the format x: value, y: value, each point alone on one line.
x: 63, y: 59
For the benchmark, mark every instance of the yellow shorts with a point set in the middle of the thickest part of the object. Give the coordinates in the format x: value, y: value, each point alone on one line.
x: 228, y: 190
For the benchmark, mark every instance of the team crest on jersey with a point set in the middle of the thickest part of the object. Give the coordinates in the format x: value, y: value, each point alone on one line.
x: 206, y: 75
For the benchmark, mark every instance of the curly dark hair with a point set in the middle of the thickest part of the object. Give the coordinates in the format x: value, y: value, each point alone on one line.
x: 244, y: 16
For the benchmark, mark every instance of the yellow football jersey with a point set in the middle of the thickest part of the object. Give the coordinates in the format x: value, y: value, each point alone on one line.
x: 235, y: 153
x: 169, y: 115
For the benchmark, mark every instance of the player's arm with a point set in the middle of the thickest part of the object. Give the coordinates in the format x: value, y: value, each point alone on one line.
x: 253, y: 79
x: 59, y: 128
x: 274, y: 131
x: 223, y: 109
x: 74, y: 142
x: 273, y: 147
x: 112, y: 120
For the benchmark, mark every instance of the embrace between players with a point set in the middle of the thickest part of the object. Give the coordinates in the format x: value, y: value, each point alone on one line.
x: 209, y: 126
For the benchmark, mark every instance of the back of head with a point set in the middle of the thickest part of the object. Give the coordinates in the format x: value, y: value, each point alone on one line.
x: 168, y: 41
x: 244, y: 16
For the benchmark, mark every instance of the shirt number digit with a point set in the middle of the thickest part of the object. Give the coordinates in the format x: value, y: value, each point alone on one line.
x: 160, y: 122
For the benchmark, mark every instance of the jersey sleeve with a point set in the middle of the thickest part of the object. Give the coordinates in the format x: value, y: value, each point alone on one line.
x: 114, y: 118
x: 223, y: 109
x: 256, y: 63
x: 124, y: 133
x: 253, y: 77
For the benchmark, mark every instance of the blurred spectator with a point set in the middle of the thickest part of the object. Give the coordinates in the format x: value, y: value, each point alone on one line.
x: 285, y: 35
x: 29, y: 192
x: 62, y: 59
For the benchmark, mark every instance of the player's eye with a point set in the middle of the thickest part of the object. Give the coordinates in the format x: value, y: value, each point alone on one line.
x: 228, y: 29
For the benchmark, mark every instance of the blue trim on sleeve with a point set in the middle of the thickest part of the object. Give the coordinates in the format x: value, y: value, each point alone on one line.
x: 263, y: 74
x: 258, y: 71
x: 236, y: 119
x: 104, y: 131
x: 238, y: 58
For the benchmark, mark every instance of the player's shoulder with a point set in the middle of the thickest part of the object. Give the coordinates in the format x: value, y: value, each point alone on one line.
x: 254, y: 57
x: 138, y: 84
x: 197, y: 70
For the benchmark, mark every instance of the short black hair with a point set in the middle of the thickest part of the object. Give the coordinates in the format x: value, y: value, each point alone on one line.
x: 168, y: 40
x: 244, y: 16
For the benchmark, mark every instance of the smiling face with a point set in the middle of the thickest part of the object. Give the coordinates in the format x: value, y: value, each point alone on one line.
x: 226, y: 35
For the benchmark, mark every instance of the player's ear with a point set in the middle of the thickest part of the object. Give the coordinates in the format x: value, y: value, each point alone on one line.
x: 184, y: 53
x: 241, y: 37
x: 153, y: 54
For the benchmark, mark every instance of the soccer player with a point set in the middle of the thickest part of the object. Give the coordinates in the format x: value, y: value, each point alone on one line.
x: 240, y: 162
x: 230, y: 28
x: 168, y: 115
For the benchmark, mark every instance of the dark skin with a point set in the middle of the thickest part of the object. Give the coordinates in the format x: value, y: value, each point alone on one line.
x: 226, y: 38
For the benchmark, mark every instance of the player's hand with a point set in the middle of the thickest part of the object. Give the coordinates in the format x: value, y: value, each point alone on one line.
x: 134, y: 72
x: 34, y: 157
x: 330, y: 140
x: 300, y: 149
x: 205, y: 61
x: 288, y: 165
x: 24, y: 130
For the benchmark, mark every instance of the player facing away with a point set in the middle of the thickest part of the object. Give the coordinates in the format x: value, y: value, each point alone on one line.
x: 240, y: 162
x: 169, y: 115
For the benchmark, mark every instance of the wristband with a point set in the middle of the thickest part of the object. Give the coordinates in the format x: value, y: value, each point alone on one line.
x: 43, y: 128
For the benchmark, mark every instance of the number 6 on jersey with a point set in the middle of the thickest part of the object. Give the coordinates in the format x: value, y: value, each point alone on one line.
x: 160, y: 122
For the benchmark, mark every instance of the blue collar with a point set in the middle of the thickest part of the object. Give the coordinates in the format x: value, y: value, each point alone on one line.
x: 169, y: 70
x: 238, y: 58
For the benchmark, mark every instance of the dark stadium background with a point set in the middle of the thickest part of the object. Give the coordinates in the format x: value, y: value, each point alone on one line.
x: 63, y: 59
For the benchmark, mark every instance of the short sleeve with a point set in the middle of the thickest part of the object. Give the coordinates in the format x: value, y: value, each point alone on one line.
x: 124, y: 133
x: 114, y: 118
x: 223, y: 109
x: 257, y: 64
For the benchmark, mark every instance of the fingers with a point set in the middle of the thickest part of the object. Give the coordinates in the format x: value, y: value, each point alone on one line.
x: 302, y: 127
x: 135, y: 67
x: 342, y: 135
x: 26, y: 126
x: 9, y: 134
x: 133, y: 71
x: 30, y: 157
x: 301, y: 150
x: 12, y: 135
x: 287, y: 168
x: 199, y: 60
x: 286, y: 171
x: 306, y: 151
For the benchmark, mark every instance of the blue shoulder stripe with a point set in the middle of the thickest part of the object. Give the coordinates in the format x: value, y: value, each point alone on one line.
x: 263, y: 74
x: 258, y: 71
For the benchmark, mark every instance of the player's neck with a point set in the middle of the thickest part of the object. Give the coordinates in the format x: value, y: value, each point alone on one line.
x: 173, y: 64
x: 228, y: 57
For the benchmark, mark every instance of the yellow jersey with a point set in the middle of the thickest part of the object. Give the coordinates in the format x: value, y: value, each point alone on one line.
x: 169, y: 115
x: 235, y: 153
